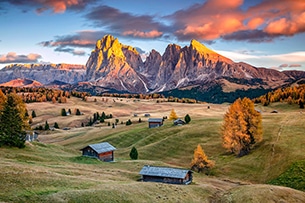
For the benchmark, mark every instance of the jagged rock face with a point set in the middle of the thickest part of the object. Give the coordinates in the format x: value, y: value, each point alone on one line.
x: 44, y: 73
x: 114, y: 66
x: 151, y: 68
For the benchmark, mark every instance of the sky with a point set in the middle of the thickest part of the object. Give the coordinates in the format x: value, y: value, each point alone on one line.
x: 263, y: 33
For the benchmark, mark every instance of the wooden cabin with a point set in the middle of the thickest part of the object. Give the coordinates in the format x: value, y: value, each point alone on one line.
x: 155, y: 122
x: 166, y: 175
x: 102, y: 151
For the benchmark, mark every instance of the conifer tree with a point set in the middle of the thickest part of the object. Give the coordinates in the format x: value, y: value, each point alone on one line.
x: 46, y: 126
x: 63, y: 112
x: 12, y: 121
x: 187, y: 118
x: 56, y: 125
x: 200, y: 162
x: 242, y: 127
x: 33, y: 114
x: 133, y: 153
x: 173, y: 115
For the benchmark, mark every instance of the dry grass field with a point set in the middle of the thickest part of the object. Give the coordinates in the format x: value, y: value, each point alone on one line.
x: 53, y: 170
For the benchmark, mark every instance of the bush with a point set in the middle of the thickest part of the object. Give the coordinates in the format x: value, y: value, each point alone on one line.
x: 187, y: 118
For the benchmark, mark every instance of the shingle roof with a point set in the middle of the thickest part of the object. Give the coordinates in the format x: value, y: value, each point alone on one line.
x: 155, y: 120
x: 102, y: 147
x: 164, y: 171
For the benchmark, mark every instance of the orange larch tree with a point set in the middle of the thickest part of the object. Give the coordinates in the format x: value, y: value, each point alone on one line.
x: 200, y: 162
x: 242, y: 127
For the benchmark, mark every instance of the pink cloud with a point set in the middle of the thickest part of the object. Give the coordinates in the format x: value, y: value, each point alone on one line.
x: 136, y: 33
x: 255, y: 22
x: 12, y: 57
x: 217, y: 19
x: 57, y: 6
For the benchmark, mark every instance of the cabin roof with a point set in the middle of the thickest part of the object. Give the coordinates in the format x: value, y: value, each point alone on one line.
x: 101, y: 147
x: 155, y: 120
x: 164, y: 171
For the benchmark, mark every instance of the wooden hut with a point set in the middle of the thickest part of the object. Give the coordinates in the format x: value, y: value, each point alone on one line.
x: 166, y: 175
x: 155, y: 122
x: 103, y: 151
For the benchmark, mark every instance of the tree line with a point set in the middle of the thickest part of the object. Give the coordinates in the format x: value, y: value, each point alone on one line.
x: 291, y: 95
x: 41, y: 94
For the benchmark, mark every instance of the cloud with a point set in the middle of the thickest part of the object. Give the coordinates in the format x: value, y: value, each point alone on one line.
x: 57, y: 6
x: 250, y: 36
x: 126, y: 24
x: 12, y: 57
x: 295, y: 65
x: 283, y: 65
x: 68, y: 43
x: 151, y: 34
x: 232, y: 20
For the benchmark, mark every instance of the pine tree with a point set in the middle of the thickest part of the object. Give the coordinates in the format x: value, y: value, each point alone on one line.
x: 12, y: 121
x: 56, y: 125
x: 200, y: 162
x: 63, y: 112
x: 187, y: 118
x: 33, y: 114
x: 242, y: 127
x: 173, y: 115
x: 77, y: 112
x: 46, y: 126
x: 133, y: 153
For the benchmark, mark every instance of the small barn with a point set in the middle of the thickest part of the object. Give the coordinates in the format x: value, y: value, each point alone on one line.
x: 103, y: 151
x: 155, y: 122
x: 166, y: 175
x: 179, y: 122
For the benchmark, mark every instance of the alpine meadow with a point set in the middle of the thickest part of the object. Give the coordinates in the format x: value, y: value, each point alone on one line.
x: 138, y: 101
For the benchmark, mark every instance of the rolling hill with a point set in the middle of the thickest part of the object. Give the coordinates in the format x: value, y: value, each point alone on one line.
x: 52, y: 170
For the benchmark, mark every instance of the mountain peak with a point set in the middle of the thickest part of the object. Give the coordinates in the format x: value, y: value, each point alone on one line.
x: 210, y: 53
x: 201, y: 48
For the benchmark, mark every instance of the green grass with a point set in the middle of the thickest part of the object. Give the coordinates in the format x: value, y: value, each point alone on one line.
x: 55, y: 171
x: 293, y: 177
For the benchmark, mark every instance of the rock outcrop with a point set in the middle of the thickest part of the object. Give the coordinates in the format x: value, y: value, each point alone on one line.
x: 44, y: 73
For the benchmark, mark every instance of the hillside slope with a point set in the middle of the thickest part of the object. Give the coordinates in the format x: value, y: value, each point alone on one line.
x: 54, y: 171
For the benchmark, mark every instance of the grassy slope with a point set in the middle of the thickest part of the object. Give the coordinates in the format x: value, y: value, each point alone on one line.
x: 55, y: 172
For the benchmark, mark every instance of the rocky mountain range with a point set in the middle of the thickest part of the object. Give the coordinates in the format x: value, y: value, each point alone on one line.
x: 192, y: 71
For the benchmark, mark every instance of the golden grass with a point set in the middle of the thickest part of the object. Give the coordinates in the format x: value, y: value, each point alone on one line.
x: 53, y: 170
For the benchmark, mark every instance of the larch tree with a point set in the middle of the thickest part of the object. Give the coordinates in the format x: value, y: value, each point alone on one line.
x: 200, y: 161
x: 13, y: 122
x: 173, y: 115
x: 242, y: 127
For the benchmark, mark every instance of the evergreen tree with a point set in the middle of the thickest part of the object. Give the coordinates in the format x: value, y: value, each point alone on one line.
x: 77, y: 112
x: 128, y: 122
x: 56, y: 125
x: 187, y: 118
x: 12, y: 121
x: 113, y: 126
x: 46, y: 126
x: 200, y: 162
x: 140, y: 120
x: 33, y: 114
x: 82, y: 125
x: 69, y: 110
x: 173, y: 115
x: 63, y: 112
x: 103, y: 116
x: 242, y: 127
x: 133, y: 153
